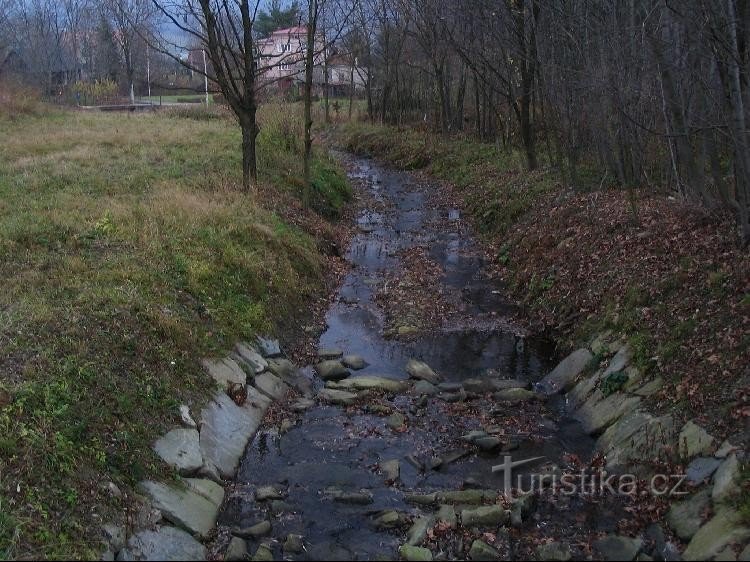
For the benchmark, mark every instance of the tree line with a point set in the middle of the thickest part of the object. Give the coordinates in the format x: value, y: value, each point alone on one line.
x: 638, y: 93
x: 646, y: 93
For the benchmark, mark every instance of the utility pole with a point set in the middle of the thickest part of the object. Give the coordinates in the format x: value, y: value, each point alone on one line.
x: 148, y: 73
x: 205, y: 74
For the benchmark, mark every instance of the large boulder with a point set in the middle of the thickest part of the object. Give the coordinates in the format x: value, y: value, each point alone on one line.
x: 563, y: 377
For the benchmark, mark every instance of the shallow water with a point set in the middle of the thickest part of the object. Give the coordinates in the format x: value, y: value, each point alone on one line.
x: 330, y: 447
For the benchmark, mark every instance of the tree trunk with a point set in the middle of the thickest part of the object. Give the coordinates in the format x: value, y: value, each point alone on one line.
x: 249, y: 167
x: 309, y: 62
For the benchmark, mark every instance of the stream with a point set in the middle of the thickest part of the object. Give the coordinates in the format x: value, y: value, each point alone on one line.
x: 326, y: 451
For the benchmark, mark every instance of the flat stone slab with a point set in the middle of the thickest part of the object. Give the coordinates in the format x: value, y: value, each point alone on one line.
x: 226, y: 429
x: 185, y: 508
x: 166, y: 543
x: 562, y: 377
x: 225, y: 371
x: 251, y: 357
x: 340, y: 397
x: 181, y: 449
x: 270, y: 385
x: 370, y: 383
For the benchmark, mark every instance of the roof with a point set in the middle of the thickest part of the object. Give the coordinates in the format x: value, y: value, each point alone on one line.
x: 297, y: 30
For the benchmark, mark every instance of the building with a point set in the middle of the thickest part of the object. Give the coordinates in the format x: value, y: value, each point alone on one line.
x: 281, y: 57
x: 345, y: 74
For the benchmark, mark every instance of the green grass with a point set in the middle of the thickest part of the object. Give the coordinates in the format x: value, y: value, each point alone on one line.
x: 127, y: 253
x: 497, y: 189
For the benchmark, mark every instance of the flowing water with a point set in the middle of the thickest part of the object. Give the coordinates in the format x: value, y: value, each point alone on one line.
x: 333, y: 447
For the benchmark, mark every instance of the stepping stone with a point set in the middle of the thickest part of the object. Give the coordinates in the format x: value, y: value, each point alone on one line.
x: 166, y: 543
x: 480, y: 550
x: 415, y: 553
x: 391, y: 470
x: 422, y: 371
x: 237, y: 550
x: 354, y: 362
x: 370, y: 383
x: 264, y: 493
x: 418, y: 531
x: 225, y: 372
x: 340, y: 397
x: 253, y: 532
x: 332, y: 370
x: 294, y: 544
x: 181, y: 449
x: 185, y: 508
x: 424, y: 388
x: 485, y: 516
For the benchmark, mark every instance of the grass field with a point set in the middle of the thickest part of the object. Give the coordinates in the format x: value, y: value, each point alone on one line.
x: 127, y: 252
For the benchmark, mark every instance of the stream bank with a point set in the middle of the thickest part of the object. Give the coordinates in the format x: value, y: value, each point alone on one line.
x: 386, y: 446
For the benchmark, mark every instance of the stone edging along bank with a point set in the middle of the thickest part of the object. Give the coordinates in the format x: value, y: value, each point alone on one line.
x: 173, y: 518
x: 609, y: 405
x: 602, y: 389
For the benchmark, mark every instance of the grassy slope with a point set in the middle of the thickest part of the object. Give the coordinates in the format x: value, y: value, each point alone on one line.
x: 668, y: 276
x: 126, y: 254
